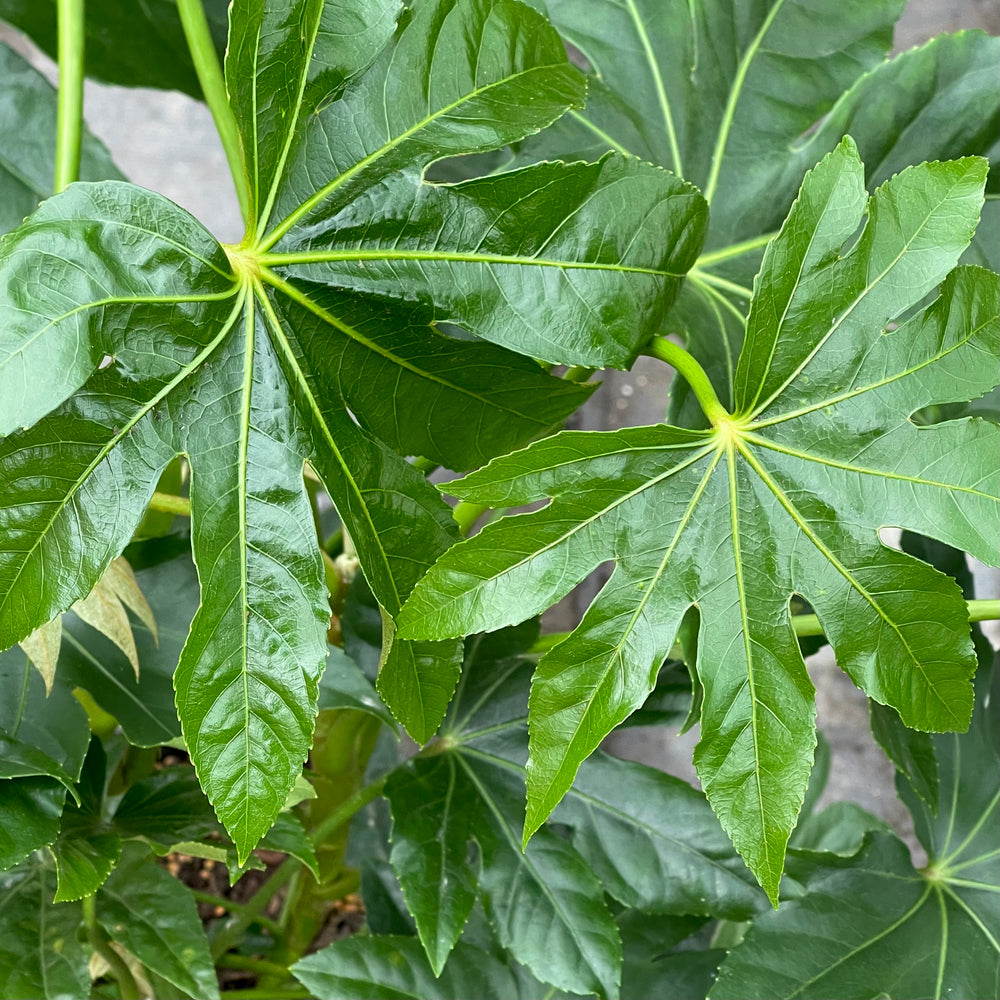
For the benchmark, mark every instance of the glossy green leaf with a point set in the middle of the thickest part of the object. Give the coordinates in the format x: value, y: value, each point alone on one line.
x: 41, y: 955
x: 872, y: 924
x: 169, y: 808
x: 448, y: 400
x: 27, y: 146
x: 655, y: 843
x: 648, y: 837
x: 343, y: 685
x: 784, y: 497
x: 158, y: 341
x: 439, y: 870
x: 655, y: 966
x: 52, y: 734
x: 86, y: 850
x: 501, y: 256
x: 19, y: 760
x: 153, y: 915
x: 840, y: 828
x: 396, y: 968
x: 29, y: 817
x: 166, y: 808
x: 742, y: 101
x: 545, y: 904
x: 138, y: 45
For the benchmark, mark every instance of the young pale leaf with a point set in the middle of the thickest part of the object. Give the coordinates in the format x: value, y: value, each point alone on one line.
x: 742, y: 102
x: 872, y: 924
x: 41, y: 955
x: 785, y: 496
x: 139, y: 45
x: 146, y: 909
x: 28, y: 127
x: 158, y: 341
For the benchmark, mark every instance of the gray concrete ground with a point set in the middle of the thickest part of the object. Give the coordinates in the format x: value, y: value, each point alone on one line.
x: 166, y: 141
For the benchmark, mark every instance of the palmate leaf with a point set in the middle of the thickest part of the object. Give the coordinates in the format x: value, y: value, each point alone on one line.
x: 650, y: 839
x: 741, y: 100
x: 156, y: 341
x: 784, y: 497
x: 872, y: 924
x: 545, y: 904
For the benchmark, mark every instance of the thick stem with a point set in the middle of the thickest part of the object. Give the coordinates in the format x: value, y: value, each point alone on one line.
x: 69, y: 118
x: 466, y: 513
x: 802, y: 625
x: 230, y: 934
x: 213, y: 86
x: 693, y: 374
x: 167, y: 503
x: 127, y: 986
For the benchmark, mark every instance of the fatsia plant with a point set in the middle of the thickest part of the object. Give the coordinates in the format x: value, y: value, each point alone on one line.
x: 250, y: 428
x: 253, y: 359
x: 743, y: 99
x: 766, y: 504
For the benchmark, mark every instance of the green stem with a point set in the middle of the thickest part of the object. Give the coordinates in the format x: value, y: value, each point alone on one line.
x: 231, y: 932
x: 466, y: 513
x: 127, y: 986
x: 268, y: 994
x: 425, y: 465
x: 167, y: 503
x: 713, y: 279
x: 245, y: 963
x: 213, y: 86
x: 802, y: 625
x: 693, y: 374
x: 69, y: 117
x: 736, y: 250
x: 578, y: 373
x: 212, y: 900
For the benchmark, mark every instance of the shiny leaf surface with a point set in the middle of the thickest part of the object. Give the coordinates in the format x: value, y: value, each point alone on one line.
x: 774, y: 494
x: 40, y: 954
x: 159, y: 341
x: 742, y: 101
x: 871, y: 923
x: 153, y: 915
